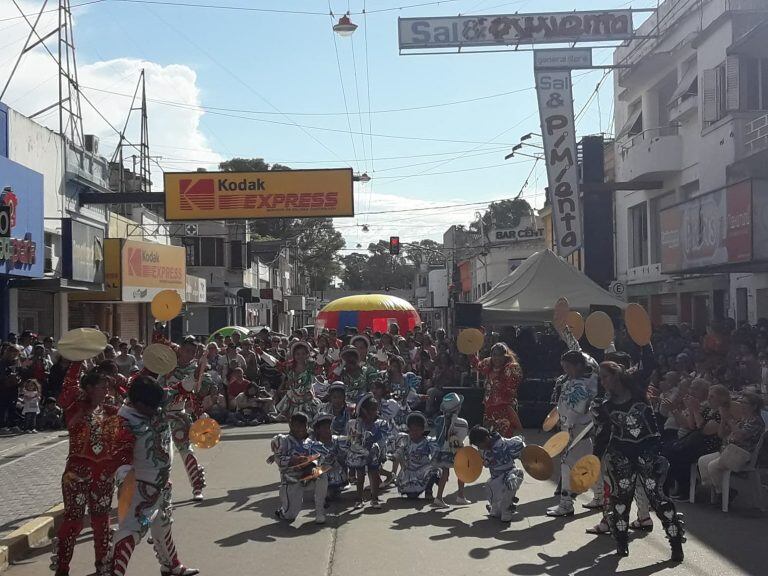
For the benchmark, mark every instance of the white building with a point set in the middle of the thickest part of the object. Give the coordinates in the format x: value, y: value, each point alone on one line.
x: 690, y: 113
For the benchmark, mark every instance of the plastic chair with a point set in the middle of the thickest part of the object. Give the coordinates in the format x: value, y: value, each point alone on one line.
x: 750, y: 472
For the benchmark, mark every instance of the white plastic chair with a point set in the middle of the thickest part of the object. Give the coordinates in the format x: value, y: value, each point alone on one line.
x: 751, y: 473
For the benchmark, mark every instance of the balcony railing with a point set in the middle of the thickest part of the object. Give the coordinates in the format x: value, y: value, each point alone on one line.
x: 647, y: 136
x: 756, y: 135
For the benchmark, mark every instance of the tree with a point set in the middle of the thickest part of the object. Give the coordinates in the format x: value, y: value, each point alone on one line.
x: 378, y: 270
x: 317, y: 239
x: 425, y: 251
x: 504, y: 214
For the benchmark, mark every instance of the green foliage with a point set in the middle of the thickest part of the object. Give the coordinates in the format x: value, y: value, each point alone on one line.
x: 503, y: 214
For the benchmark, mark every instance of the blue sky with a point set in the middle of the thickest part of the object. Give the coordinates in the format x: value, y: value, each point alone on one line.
x: 285, y: 66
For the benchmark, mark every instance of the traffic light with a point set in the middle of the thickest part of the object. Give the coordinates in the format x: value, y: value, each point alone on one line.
x: 394, y: 245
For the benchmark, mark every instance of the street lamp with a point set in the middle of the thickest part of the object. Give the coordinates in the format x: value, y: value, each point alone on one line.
x: 345, y: 27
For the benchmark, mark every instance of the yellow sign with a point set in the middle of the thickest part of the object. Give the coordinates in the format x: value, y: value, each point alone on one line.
x: 240, y: 195
x: 148, y: 269
x: 112, y: 277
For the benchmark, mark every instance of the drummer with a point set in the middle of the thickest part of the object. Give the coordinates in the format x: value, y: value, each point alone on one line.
x: 499, y: 455
x: 290, y: 451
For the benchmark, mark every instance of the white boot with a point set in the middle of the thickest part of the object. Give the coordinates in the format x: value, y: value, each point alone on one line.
x: 565, y: 508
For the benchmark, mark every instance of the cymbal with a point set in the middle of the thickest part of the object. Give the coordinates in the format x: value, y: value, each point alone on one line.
x: 537, y: 462
x: 557, y: 443
x: 468, y: 464
x: 82, y: 343
x: 316, y: 472
x: 305, y: 461
x: 160, y: 359
x: 470, y: 341
x: 585, y: 473
x: 551, y: 420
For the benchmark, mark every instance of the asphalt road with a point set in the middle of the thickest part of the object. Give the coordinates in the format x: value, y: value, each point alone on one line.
x: 234, y: 531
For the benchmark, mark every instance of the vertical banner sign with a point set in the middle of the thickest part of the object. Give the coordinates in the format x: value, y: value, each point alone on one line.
x: 558, y: 130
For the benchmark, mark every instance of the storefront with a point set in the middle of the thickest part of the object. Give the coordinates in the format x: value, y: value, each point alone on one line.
x: 22, y: 243
x: 134, y: 272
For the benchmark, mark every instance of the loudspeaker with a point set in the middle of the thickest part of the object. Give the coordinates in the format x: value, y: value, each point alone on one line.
x: 468, y: 315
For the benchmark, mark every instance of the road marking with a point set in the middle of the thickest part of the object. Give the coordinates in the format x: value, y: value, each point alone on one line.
x: 43, y: 449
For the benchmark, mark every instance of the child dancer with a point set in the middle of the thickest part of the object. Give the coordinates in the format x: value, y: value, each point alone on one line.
x: 367, y: 448
x: 144, y: 444
x: 289, y: 450
x: 415, y: 451
x: 451, y: 432
x: 389, y: 410
x: 333, y: 450
x: 337, y: 407
x: 499, y: 455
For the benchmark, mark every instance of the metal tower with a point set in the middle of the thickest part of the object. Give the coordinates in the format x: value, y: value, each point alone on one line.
x: 70, y: 112
x: 140, y: 176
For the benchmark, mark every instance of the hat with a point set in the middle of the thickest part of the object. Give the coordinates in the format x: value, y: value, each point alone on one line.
x: 349, y: 350
x: 82, y: 343
x: 160, y: 359
x: 338, y: 385
x: 399, y: 359
x: 299, y: 344
x: 360, y: 337
x: 322, y: 418
x: 451, y: 403
x: 416, y: 416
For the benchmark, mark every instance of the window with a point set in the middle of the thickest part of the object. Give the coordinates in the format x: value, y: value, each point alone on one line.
x: 205, y: 251
x: 236, y: 254
x: 638, y: 235
x: 657, y: 205
x: 754, y: 78
x: 634, y: 123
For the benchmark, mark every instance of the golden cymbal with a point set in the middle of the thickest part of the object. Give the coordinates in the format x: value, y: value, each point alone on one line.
x: 557, y: 443
x: 585, y: 473
x: 537, y: 462
x: 468, y: 464
x: 552, y: 419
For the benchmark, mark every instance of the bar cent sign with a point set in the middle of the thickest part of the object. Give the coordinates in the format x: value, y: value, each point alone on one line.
x: 514, y: 29
x: 240, y: 195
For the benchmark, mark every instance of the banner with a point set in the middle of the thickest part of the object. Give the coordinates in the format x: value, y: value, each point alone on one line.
x: 514, y: 29
x: 246, y: 195
x: 555, y: 95
x: 22, y: 243
x: 713, y: 229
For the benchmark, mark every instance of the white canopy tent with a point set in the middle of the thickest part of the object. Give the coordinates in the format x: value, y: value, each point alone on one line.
x: 528, y: 295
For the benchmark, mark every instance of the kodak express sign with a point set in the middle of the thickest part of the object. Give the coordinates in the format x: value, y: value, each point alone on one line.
x: 241, y: 195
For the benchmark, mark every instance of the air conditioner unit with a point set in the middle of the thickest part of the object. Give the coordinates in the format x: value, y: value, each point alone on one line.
x: 91, y: 142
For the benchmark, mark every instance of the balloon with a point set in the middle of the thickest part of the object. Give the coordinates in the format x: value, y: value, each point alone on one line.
x: 468, y: 464
x: 81, y: 344
x: 205, y: 433
x: 599, y: 330
x: 585, y: 473
x: 575, y: 323
x: 125, y: 495
x: 470, y: 341
x: 557, y: 443
x: 160, y: 359
x: 638, y: 324
x: 537, y: 462
x: 560, y: 313
x: 166, y: 305
x: 551, y: 420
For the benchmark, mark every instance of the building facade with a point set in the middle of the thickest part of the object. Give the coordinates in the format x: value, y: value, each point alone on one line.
x: 691, y: 101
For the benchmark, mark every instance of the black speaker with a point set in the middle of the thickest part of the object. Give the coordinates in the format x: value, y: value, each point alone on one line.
x: 468, y: 315
x: 472, y: 408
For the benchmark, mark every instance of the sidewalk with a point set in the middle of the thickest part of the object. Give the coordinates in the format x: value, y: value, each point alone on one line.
x: 31, y: 466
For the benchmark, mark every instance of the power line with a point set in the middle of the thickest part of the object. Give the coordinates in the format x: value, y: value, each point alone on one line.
x: 204, y: 108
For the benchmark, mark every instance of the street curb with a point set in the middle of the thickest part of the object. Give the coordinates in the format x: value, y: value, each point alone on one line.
x: 32, y: 535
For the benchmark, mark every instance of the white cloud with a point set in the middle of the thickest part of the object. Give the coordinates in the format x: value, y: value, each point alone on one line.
x: 174, y: 132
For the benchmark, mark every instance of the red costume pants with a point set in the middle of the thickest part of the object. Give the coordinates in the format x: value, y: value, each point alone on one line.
x: 91, y: 485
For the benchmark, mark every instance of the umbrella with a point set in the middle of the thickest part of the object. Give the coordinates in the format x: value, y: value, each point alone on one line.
x: 228, y: 331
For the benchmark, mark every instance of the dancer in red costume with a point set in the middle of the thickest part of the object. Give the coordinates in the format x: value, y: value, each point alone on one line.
x: 504, y: 376
x: 89, y: 474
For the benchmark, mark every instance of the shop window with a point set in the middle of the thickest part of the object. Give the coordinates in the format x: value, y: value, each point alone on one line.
x: 638, y: 235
